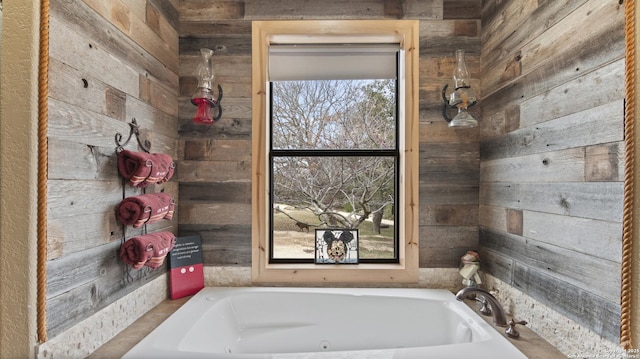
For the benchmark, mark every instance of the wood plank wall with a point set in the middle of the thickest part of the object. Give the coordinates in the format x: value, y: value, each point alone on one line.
x: 110, y: 61
x: 214, y: 175
x: 542, y: 175
x: 551, y: 153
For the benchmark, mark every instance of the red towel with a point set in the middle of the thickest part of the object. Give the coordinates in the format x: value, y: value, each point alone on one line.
x: 145, y: 209
x: 147, y: 250
x: 142, y: 169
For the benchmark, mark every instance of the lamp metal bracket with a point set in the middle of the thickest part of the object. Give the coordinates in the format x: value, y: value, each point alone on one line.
x: 215, y: 104
x: 448, y: 105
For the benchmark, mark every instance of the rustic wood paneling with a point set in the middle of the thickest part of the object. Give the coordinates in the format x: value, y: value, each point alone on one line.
x: 110, y: 62
x: 207, y: 10
x: 447, y: 194
x: 551, y: 175
x: 77, y: 161
x: 159, y: 39
x: 605, y: 162
x: 542, y: 174
x: 515, y: 23
x: 231, y: 45
x: 158, y: 11
x: 82, y: 19
x: 227, y: 128
x: 496, y: 264
x: 599, y: 276
x: 210, y: 150
x: 81, y: 285
x: 214, y: 155
x: 220, y: 192
x: 449, y: 215
x: 595, y: 200
x: 214, y: 171
x: 461, y: 9
x: 530, y: 54
x: 564, y: 66
x: 600, y: 239
x: 222, y: 245
x: 589, y: 127
x: 557, y: 166
x: 210, y: 27
x: 576, y: 302
x: 78, y: 51
x: 452, y: 163
x: 442, y: 245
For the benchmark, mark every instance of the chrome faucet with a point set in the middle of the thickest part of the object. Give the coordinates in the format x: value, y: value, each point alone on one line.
x: 499, y: 318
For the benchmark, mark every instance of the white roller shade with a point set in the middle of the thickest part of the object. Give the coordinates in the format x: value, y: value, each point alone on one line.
x: 333, y: 62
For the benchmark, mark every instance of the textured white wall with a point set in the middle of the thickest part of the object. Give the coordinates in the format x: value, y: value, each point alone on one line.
x: 18, y: 178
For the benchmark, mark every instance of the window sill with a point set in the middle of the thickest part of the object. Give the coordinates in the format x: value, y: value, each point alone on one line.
x: 328, y: 273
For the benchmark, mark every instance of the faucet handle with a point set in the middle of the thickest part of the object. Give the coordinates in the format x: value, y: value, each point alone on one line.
x: 511, y: 330
x: 485, y: 309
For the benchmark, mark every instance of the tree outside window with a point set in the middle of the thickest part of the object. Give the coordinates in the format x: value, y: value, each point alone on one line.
x: 334, y: 163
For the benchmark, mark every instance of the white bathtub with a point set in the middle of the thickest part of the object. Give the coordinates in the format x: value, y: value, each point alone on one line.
x: 349, y: 323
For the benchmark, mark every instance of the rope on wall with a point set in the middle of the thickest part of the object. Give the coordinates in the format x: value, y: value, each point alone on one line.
x: 43, y: 115
x: 627, y: 214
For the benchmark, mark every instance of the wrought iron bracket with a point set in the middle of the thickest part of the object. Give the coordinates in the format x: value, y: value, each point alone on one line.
x: 134, y: 130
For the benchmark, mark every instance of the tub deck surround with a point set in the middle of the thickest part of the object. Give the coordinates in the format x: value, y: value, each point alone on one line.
x: 270, y: 322
x: 570, y: 337
x: 130, y: 336
x: 532, y: 345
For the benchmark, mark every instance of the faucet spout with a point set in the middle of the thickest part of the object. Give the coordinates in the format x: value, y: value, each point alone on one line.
x: 499, y: 318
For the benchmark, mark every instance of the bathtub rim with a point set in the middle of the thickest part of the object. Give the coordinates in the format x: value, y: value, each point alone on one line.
x: 479, y: 347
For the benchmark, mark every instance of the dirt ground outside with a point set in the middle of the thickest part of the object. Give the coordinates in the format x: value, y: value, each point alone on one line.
x: 294, y: 244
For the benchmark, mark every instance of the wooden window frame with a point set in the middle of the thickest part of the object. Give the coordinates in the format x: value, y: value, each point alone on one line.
x: 403, y: 32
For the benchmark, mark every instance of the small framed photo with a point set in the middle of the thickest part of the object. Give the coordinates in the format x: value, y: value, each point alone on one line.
x: 336, y: 246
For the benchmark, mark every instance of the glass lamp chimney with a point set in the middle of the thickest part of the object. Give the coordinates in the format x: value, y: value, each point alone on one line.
x: 203, y: 96
x: 462, y: 97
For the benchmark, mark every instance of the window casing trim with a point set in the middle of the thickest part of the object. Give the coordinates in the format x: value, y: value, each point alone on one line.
x: 404, y: 32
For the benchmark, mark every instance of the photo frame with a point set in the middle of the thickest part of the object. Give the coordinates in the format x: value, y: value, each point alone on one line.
x: 337, y: 246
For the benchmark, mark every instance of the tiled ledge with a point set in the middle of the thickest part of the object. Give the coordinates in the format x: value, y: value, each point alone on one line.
x: 85, y: 337
x: 128, y: 338
x: 529, y: 343
x: 569, y: 337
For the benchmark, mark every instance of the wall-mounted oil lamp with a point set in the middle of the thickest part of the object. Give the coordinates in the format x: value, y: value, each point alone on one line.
x: 461, y: 98
x: 209, y: 109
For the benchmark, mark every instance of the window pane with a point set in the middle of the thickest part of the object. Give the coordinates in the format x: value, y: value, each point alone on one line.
x: 343, y: 114
x: 333, y: 192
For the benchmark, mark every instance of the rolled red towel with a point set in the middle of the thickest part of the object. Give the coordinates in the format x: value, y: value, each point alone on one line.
x: 142, y: 169
x: 147, y: 250
x: 145, y: 209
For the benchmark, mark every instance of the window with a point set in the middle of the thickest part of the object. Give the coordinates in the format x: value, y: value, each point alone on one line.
x: 335, y: 145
